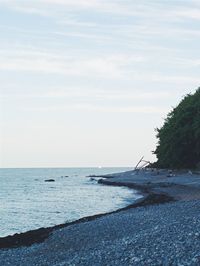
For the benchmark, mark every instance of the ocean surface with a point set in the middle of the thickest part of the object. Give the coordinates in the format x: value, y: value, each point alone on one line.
x: 28, y: 202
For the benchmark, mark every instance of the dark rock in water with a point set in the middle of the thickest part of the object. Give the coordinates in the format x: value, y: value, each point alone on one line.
x: 49, y: 180
x: 66, y: 176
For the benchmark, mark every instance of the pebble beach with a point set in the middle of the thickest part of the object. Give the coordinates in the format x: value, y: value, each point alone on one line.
x: 162, y: 228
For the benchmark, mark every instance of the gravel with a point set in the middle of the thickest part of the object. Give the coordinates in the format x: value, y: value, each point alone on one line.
x: 164, y: 234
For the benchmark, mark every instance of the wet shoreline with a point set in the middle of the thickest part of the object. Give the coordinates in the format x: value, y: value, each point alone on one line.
x: 39, y: 235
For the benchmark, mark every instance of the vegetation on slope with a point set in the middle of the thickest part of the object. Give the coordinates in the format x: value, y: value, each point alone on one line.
x: 179, y: 138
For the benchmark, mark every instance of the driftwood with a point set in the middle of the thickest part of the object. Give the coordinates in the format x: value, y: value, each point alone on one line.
x: 145, y: 164
x: 139, y: 163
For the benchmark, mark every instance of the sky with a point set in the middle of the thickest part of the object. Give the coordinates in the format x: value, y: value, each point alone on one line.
x: 84, y: 83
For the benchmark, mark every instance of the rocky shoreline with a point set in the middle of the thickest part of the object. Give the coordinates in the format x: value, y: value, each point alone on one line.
x: 144, y: 233
x: 39, y: 235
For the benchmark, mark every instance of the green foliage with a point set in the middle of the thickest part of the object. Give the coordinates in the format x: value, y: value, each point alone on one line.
x: 179, y: 137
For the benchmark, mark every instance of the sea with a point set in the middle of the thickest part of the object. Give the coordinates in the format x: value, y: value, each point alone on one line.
x: 27, y: 202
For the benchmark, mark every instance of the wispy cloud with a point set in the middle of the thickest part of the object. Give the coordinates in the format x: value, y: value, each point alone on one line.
x: 30, y: 10
x: 75, y: 93
x: 73, y: 21
x: 174, y: 79
x: 126, y: 109
x: 141, y: 9
x: 189, y: 13
x: 116, y: 66
x: 95, y: 5
x: 147, y: 22
x: 102, y: 109
x: 111, y: 66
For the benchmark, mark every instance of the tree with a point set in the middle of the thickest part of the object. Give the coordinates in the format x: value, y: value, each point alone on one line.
x: 179, y: 138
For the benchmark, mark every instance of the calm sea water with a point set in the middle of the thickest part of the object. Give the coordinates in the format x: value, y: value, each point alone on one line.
x: 28, y: 202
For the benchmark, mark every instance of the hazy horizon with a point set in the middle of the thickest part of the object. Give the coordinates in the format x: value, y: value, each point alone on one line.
x: 69, y: 167
x: 84, y: 83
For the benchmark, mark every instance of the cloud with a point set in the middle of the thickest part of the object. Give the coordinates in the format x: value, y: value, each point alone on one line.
x: 102, y: 94
x: 144, y: 10
x: 174, y: 79
x: 108, y: 66
x: 30, y: 10
x: 113, y: 66
x: 187, y: 62
x: 123, y: 109
x: 71, y: 21
x: 54, y: 6
x: 148, y: 109
x: 147, y: 21
x: 140, y: 42
x: 189, y: 13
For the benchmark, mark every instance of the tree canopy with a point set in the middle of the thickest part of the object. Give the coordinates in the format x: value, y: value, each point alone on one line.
x: 179, y: 138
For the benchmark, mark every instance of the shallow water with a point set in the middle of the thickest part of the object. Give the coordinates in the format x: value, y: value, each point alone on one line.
x: 28, y: 202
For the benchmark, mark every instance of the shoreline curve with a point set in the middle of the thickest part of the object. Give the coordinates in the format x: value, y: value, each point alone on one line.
x: 39, y: 235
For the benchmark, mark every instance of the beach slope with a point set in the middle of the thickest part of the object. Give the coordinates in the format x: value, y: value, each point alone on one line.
x: 158, y: 232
